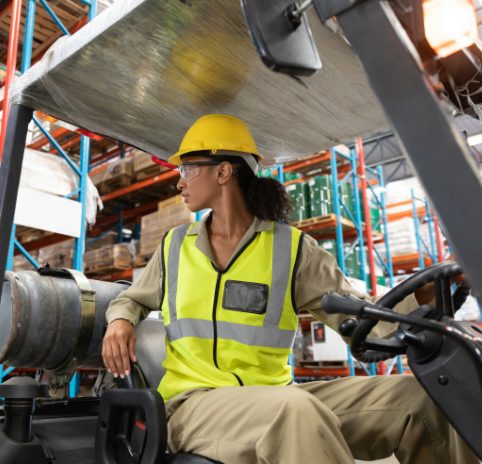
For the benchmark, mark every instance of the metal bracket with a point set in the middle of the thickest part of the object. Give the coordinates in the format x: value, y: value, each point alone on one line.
x: 87, y: 315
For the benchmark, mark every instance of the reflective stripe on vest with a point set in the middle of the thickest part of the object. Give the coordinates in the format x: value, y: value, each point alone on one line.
x: 246, y: 334
x: 269, y: 335
x: 173, y: 267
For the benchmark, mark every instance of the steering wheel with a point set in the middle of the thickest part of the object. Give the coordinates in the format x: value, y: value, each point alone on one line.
x: 367, y: 349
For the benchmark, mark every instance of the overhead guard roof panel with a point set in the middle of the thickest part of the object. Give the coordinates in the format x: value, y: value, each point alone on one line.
x: 143, y: 71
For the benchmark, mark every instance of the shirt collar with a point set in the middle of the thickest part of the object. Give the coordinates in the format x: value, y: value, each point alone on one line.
x: 202, y: 243
x: 258, y: 225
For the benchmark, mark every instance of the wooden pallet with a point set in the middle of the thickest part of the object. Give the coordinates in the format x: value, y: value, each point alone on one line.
x: 28, y: 234
x: 106, y: 268
x: 324, y: 228
x: 322, y: 364
x: 314, y: 220
x: 150, y: 171
x: 115, y: 183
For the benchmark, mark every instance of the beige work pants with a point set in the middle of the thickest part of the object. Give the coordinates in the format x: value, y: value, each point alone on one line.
x: 331, y: 422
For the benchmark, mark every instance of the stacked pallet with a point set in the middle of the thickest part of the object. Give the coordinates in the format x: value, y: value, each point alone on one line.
x: 170, y: 213
x: 116, y: 175
x: 104, y: 240
x: 108, y: 258
x: 143, y: 166
x: 402, y: 237
x: 20, y: 263
x: 314, y: 198
x: 28, y: 234
x: 57, y: 255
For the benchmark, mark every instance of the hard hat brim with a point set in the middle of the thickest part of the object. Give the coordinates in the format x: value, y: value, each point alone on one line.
x: 176, y: 158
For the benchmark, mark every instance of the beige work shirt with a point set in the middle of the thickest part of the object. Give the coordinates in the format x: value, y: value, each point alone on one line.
x: 318, y: 273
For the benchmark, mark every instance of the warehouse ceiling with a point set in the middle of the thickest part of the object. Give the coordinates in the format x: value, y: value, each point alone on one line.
x: 384, y: 149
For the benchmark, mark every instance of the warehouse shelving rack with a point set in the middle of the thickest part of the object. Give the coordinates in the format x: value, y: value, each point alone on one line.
x: 435, y: 248
x: 82, y: 170
x: 420, y: 211
x: 348, y: 166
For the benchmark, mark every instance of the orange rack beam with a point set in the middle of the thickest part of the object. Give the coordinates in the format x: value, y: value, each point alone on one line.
x: 140, y: 185
x: 126, y: 274
x: 320, y: 158
x: 408, y: 262
x: 324, y: 228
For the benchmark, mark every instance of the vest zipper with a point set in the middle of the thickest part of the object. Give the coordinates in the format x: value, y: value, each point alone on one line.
x: 215, y: 327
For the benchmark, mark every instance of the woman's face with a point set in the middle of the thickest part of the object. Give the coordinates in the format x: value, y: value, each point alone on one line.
x: 198, y: 182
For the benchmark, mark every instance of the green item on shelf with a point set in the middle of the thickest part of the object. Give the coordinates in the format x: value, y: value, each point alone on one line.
x: 298, y: 193
x: 346, y: 193
x: 380, y: 278
x: 320, y: 195
x: 292, y: 176
x: 352, y: 262
x: 375, y: 214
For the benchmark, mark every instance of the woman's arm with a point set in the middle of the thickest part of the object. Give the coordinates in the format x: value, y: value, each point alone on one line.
x: 318, y: 273
x: 125, y: 311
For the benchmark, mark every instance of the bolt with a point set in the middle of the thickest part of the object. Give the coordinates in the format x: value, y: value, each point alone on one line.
x: 443, y: 380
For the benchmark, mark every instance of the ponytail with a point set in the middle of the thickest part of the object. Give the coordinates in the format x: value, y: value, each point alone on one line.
x: 265, y: 198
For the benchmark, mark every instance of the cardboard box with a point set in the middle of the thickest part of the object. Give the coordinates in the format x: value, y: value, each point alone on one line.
x: 117, y: 174
x: 144, y: 167
x: 107, y: 239
x: 20, y: 263
x: 57, y: 255
x: 171, y: 213
x: 111, y: 257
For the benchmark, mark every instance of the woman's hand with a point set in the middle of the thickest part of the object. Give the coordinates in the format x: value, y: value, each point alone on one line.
x: 426, y: 294
x: 119, y: 347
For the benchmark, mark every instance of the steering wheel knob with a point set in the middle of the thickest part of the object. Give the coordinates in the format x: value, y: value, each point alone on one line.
x: 347, y: 327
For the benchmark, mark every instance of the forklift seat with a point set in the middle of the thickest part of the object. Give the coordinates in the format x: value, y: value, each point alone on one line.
x: 150, y: 353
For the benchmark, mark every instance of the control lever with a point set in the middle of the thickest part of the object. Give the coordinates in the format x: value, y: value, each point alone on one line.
x: 334, y: 303
x: 347, y: 327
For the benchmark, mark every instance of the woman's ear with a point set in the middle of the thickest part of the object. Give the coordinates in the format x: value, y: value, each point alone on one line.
x: 225, y: 172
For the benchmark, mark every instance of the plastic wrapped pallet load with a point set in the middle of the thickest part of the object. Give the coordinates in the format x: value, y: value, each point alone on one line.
x: 117, y: 174
x: 143, y: 166
x: 402, y: 237
x: 106, y: 239
x: 109, y: 258
x: 45, y: 184
x: 57, y: 255
x: 170, y: 213
x: 20, y: 263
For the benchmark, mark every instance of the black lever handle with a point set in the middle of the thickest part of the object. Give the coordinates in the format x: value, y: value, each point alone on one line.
x: 333, y: 303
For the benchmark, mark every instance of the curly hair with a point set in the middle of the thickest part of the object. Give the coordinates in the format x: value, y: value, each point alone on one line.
x: 265, y: 198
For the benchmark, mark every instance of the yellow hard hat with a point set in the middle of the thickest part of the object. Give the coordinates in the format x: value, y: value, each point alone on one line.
x: 217, y: 133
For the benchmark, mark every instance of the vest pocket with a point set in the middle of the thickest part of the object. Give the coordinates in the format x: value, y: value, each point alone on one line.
x: 247, y: 297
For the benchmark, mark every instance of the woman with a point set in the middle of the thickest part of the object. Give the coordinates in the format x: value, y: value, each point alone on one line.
x: 230, y: 288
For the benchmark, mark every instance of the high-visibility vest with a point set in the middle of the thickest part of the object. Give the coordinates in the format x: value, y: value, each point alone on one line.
x: 234, y: 326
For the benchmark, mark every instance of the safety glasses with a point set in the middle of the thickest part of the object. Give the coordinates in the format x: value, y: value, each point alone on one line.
x: 191, y: 169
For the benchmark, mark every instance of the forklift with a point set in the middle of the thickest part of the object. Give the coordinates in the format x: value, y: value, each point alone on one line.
x: 54, y: 319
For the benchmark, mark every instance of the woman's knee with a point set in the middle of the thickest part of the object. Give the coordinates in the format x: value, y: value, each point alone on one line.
x: 301, y: 403
x: 415, y: 397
